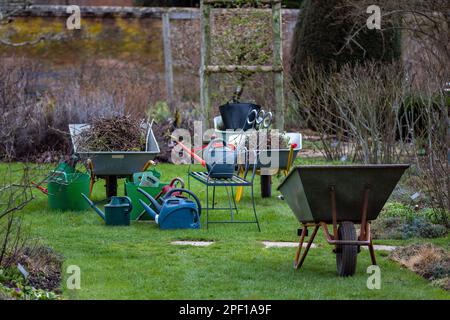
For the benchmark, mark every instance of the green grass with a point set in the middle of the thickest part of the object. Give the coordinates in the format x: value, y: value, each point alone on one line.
x: 138, y: 262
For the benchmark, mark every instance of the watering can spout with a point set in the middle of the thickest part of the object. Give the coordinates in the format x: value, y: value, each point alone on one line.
x: 152, y: 200
x: 99, y: 212
x: 149, y: 211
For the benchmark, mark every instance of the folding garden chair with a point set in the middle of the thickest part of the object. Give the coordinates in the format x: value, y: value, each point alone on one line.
x: 244, y: 180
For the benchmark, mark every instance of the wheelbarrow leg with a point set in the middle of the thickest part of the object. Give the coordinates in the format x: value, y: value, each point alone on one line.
x: 300, y: 245
x: 266, y: 186
x: 372, y: 254
x: 111, y: 186
x: 371, y: 249
x: 310, y: 241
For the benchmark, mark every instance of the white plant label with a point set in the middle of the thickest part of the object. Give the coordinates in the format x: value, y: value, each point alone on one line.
x: 374, y: 280
x: 74, y: 21
x: 74, y: 280
x: 374, y: 21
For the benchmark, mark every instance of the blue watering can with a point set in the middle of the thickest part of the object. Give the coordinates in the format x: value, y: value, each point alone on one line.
x: 174, y: 212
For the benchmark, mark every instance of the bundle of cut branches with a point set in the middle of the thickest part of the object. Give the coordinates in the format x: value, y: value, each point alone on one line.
x: 113, y: 134
x: 283, y: 140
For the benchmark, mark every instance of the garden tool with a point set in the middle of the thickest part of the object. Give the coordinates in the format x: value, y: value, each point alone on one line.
x: 175, y: 212
x: 117, y: 212
x: 291, y: 155
x: 259, y: 119
x: 148, y: 164
x: 220, y: 159
x: 40, y: 188
x: 90, y: 166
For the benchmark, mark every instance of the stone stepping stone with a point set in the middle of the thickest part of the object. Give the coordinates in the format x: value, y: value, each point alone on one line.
x: 275, y: 244
x: 193, y: 243
x: 382, y: 247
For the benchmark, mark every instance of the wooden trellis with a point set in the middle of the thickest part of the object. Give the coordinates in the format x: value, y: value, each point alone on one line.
x: 206, y: 69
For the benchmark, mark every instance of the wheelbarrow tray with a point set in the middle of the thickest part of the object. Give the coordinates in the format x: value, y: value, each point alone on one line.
x: 307, y: 190
x: 263, y: 161
x: 115, y: 163
x: 282, y: 154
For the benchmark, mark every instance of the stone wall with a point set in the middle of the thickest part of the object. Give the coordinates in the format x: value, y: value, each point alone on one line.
x: 118, y: 37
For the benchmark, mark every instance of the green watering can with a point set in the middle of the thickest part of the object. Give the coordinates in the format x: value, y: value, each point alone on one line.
x: 117, y: 212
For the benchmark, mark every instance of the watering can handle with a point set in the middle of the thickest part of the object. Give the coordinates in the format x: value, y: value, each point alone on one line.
x: 130, y: 203
x: 175, y: 180
x: 57, y: 173
x: 214, y: 141
x: 168, y: 194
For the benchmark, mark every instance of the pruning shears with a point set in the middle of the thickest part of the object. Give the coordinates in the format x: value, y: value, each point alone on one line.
x: 260, y: 120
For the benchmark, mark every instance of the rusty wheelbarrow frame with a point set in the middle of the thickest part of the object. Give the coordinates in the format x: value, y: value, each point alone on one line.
x: 324, y: 195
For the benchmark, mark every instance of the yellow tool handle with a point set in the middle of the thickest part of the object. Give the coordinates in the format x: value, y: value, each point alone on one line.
x: 240, y: 189
x: 289, y: 162
x: 148, y: 164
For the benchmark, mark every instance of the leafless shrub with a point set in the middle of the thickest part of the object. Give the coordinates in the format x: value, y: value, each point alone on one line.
x: 432, y: 155
x: 16, y: 191
x: 38, y: 105
x: 370, y: 113
x: 355, y: 111
x: 425, y: 29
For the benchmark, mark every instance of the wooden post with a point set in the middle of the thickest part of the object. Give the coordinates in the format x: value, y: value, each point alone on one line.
x: 168, y: 60
x: 205, y: 24
x: 206, y: 69
x: 278, y: 63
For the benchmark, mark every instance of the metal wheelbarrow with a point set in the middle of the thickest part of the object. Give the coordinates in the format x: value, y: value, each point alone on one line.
x: 343, y: 196
x: 111, y: 165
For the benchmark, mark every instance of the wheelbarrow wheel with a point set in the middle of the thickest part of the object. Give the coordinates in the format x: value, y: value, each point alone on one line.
x: 346, y: 254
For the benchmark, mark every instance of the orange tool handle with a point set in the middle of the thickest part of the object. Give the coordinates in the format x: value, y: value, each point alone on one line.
x: 42, y: 189
x: 193, y: 154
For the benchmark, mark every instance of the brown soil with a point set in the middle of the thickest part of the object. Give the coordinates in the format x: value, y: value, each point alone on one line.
x: 44, y: 267
x: 427, y: 260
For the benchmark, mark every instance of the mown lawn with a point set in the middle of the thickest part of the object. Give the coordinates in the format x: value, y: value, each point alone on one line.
x: 139, y: 262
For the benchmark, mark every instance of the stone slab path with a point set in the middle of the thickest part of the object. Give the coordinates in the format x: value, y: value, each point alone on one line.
x: 273, y: 244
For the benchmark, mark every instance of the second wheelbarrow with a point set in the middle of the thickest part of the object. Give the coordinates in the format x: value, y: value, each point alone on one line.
x: 343, y: 196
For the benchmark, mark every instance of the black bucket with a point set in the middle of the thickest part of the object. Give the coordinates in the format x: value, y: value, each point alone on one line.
x: 234, y: 115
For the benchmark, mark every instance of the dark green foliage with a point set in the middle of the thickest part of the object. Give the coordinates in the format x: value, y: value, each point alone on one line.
x: 406, y: 228
x: 321, y: 33
x: 421, y: 227
x: 388, y: 228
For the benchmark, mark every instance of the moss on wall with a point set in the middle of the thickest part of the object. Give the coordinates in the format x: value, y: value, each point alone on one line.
x: 122, y: 39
